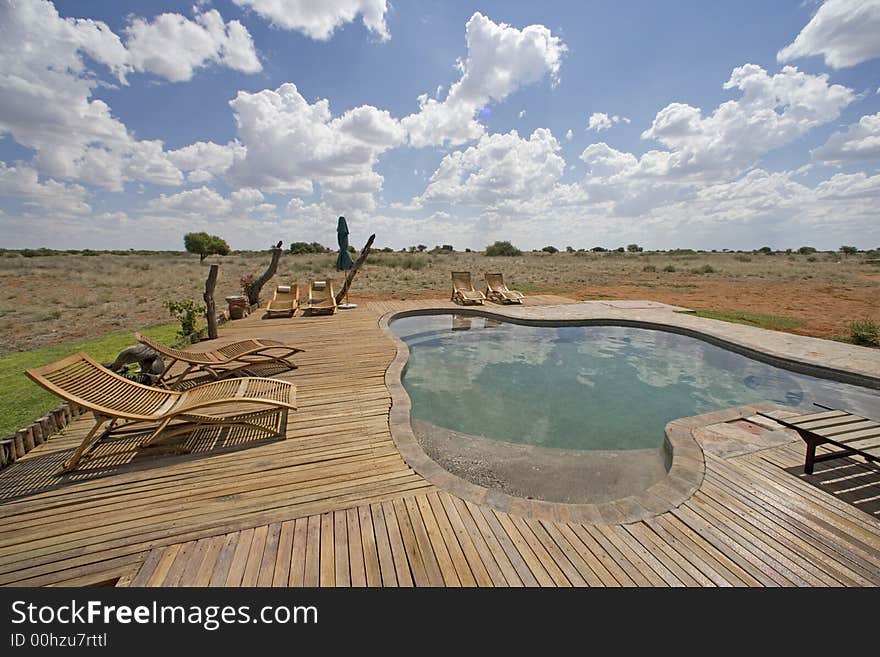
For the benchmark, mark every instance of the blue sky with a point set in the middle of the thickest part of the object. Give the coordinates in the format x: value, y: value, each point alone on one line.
x: 679, y: 124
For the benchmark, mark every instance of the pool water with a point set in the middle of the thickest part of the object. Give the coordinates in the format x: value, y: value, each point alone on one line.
x: 588, y: 387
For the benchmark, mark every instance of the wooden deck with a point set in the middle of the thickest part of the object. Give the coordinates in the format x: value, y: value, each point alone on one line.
x: 335, y: 505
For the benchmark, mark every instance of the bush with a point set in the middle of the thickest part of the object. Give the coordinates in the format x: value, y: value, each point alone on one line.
x: 865, y: 332
x: 619, y: 249
x: 742, y: 258
x: 650, y: 268
x: 849, y: 250
x: 766, y: 250
x: 550, y: 249
x: 569, y: 249
x: 806, y: 250
x: 812, y: 259
x: 705, y: 269
x: 187, y: 313
x: 669, y: 268
x: 598, y: 249
x: 299, y: 248
x: 634, y: 248
x: 502, y: 249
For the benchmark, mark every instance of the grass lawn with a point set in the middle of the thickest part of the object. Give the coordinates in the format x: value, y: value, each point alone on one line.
x: 23, y: 401
x: 761, y: 320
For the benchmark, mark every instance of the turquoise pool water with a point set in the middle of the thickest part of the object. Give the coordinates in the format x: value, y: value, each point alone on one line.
x: 590, y: 387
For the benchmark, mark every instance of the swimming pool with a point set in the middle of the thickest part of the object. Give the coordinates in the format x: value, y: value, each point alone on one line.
x: 587, y: 387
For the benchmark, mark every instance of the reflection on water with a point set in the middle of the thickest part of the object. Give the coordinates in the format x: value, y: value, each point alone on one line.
x: 591, y: 387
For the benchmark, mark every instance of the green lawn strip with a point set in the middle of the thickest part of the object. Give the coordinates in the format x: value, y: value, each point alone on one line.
x: 760, y: 320
x: 22, y: 401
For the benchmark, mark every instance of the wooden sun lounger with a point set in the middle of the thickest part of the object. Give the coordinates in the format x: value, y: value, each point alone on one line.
x: 463, y: 290
x: 223, y: 361
x: 322, y: 299
x: 284, y: 301
x: 851, y: 434
x: 497, y: 291
x: 124, y: 403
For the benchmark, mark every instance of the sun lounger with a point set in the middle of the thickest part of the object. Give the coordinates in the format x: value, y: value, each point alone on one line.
x: 322, y: 299
x: 224, y: 361
x: 850, y: 434
x: 121, y: 403
x: 498, y: 292
x: 284, y: 301
x: 463, y: 290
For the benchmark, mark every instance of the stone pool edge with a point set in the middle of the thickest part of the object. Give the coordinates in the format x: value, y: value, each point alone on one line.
x: 688, y: 464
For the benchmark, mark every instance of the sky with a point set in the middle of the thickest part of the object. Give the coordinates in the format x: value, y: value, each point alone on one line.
x: 675, y: 124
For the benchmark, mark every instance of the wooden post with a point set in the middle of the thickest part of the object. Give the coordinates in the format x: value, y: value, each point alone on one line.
x: 58, y: 416
x: 27, y: 439
x: 254, y: 292
x: 7, y: 452
x: 210, y: 309
x: 37, y: 431
x: 354, y: 270
x: 19, y: 446
x: 46, y: 423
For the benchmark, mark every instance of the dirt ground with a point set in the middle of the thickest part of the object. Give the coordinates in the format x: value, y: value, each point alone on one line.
x: 51, y: 299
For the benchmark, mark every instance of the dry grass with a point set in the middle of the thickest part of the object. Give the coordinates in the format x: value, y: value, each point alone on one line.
x: 51, y: 299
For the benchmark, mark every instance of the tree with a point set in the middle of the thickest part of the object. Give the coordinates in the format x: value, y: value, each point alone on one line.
x: 205, y: 245
x: 619, y: 249
x: 422, y: 247
x: 765, y: 249
x: 634, y: 248
x: 849, y: 250
x: 569, y: 249
x: 502, y: 249
x: 598, y: 249
x: 806, y: 250
x: 550, y: 249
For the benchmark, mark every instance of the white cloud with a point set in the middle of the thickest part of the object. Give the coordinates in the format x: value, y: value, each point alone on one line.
x: 46, y: 87
x: 860, y: 143
x: 600, y: 121
x: 522, y: 114
x: 500, y: 168
x: 291, y: 144
x: 247, y: 198
x: 319, y: 20
x: 500, y: 60
x: 23, y: 182
x: 204, y: 161
x: 202, y: 202
x: 843, y: 186
x: 845, y: 32
x: 174, y: 46
x: 569, y: 135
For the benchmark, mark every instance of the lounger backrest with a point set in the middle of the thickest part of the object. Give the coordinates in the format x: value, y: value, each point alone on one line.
x: 178, y: 354
x: 321, y: 291
x: 82, y: 380
x: 461, y: 280
x: 236, y: 349
x: 494, y: 281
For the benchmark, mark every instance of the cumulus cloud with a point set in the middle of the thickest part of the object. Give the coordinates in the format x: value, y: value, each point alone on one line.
x: 46, y: 88
x: 173, y: 46
x: 202, y: 202
x: 500, y: 168
x: 569, y: 135
x: 23, y: 182
x: 319, y: 20
x: 600, y: 121
x: 859, y: 143
x: 289, y: 144
x: 500, y: 59
x: 844, y: 32
x: 204, y: 161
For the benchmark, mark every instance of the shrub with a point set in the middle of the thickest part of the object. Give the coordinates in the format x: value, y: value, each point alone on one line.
x: 669, y: 268
x: 569, y: 249
x: 812, y: 259
x: 649, y: 268
x: 598, y: 249
x: 550, y: 249
x: 849, y: 250
x: 766, y: 250
x: 619, y: 249
x: 634, y: 248
x: 502, y: 249
x: 806, y: 250
x: 705, y: 269
x: 742, y: 258
x: 187, y: 313
x: 865, y: 332
x: 299, y: 248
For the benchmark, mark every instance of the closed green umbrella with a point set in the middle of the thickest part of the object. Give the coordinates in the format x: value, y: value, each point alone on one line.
x: 343, y: 260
